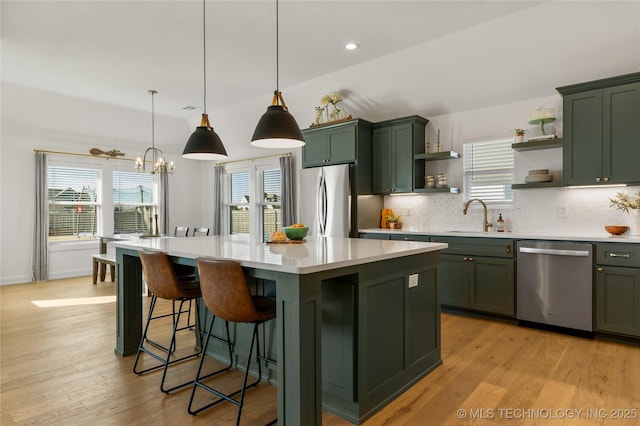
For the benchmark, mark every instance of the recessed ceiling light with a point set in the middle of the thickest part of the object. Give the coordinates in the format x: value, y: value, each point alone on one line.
x: 351, y: 46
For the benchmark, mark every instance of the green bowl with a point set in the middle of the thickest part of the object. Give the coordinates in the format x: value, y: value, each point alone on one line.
x: 295, y: 233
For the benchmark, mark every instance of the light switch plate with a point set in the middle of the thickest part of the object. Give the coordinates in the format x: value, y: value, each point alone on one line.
x: 413, y: 280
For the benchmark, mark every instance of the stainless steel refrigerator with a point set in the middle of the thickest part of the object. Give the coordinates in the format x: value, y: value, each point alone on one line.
x: 328, y: 207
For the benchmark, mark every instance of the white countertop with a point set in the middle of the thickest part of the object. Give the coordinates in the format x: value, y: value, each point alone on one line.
x: 601, y: 238
x: 314, y: 255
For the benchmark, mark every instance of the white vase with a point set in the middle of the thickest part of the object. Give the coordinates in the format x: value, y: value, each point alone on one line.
x: 635, y: 222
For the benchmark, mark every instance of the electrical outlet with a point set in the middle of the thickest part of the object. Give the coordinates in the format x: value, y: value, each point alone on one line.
x: 563, y: 211
x: 413, y: 280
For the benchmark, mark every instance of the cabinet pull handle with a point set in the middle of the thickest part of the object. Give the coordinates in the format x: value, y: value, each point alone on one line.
x: 625, y: 255
x: 470, y: 259
x: 598, y: 179
x: 409, y: 238
x: 606, y: 179
x: 599, y: 269
x: 508, y: 248
x: 465, y: 258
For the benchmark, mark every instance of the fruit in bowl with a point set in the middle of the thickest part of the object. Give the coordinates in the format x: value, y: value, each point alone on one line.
x: 616, y: 229
x: 297, y: 231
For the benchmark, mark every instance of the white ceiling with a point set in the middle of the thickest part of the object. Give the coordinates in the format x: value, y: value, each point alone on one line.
x: 114, y: 51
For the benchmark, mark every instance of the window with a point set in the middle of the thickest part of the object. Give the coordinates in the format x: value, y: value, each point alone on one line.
x: 74, y: 202
x: 271, y: 212
x: 133, y: 202
x: 488, y: 171
x: 253, y: 198
x: 239, y: 207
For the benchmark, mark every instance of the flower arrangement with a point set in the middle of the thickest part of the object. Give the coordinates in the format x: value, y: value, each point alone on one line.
x: 393, y: 218
x: 331, y: 99
x: 623, y: 201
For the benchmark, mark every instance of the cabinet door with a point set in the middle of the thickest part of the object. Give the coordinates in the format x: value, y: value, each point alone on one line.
x: 454, y: 281
x: 402, y: 158
x: 315, y: 151
x: 582, y: 155
x: 342, y: 145
x: 492, y: 286
x: 618, y: 300
x: 621, y: 133
x: 381, y: 158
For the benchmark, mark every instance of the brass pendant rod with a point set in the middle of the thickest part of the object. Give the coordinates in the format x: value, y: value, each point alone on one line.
x: 77, y: 154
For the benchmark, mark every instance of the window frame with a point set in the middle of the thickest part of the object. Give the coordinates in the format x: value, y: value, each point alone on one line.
x: 506, y: 139
x: 255, y: 169
x: 155, y: 192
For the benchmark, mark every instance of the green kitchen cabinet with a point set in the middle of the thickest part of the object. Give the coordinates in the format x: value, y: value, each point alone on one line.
x: 395, y: 142
x: 344, y: 142
x: 618, y: 289
x: 602, y: 131
x: 478, y: 274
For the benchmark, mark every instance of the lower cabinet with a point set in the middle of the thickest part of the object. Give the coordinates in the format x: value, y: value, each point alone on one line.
x: 618, y: 289
x: 479, y: 283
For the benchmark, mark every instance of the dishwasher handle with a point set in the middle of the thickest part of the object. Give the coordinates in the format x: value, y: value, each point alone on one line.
x: 554, y: 252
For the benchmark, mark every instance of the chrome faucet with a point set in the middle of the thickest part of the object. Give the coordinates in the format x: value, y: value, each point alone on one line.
x: 485, y: 224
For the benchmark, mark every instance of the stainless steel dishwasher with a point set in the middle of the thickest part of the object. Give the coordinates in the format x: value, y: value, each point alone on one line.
x: 555, y: 283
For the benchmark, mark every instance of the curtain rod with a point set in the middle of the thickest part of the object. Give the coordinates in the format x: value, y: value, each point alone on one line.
x: 77, y: 154
x: 286, y: 154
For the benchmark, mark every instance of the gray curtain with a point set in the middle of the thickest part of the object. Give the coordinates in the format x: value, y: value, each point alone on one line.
x: 41, y: 228
x: 286, y: 188
x: 164, y: 205
x: 218, y: 171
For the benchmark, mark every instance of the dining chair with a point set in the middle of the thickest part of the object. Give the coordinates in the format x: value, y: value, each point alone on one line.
x: 200, y: 232
x: 181, y: 231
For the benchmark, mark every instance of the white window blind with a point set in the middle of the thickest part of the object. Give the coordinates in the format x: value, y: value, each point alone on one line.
x: 271, y: 211
x: 133, y: 202
x: 74, y: 202
x: 488, y: 171
x: 239, y: 211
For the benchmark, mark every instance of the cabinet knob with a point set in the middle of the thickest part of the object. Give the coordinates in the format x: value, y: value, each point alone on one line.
x: 471, y: 259
x: 409, y: 238
x: 597, y: 179
x: 599, y: 269
x: 606, y: 179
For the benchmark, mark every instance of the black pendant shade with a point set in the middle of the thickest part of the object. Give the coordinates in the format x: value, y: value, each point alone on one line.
x: 277, y: 128
x: 204, y: 143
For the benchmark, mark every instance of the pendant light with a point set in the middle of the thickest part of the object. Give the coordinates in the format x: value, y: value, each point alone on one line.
x: 157, y: 157
x: 204, y: 143
x: 277, y: 128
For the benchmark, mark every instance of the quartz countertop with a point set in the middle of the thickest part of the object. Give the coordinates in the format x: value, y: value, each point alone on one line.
x: 595, y: 237
x: 314, y: 255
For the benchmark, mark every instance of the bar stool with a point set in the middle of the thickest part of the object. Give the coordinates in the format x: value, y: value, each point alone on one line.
x: 226, y: 294
x: 164, y: 284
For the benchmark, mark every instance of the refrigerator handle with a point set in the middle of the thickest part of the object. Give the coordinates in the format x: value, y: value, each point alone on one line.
x: 322, y: 205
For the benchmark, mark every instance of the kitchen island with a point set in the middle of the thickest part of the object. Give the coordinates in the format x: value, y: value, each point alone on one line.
x: 384, y: 335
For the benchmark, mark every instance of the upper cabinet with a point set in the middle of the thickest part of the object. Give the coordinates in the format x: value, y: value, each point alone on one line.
x: 602, y: 131
x: 395, y: 142
x: 340, y: 143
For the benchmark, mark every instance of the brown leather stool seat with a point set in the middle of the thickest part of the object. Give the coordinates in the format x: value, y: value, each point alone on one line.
x: 226, y: 294
x: 163, y: 283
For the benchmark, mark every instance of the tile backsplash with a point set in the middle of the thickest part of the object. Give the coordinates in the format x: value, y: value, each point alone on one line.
x: 560, y: 211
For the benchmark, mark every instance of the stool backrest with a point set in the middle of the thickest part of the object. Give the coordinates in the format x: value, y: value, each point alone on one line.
x: 159, y: 275
x: 225, y: 290
x: 200, y: 231
x: 181, y: 231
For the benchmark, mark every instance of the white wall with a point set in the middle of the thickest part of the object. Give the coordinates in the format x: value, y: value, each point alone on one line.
x: 33, y: 119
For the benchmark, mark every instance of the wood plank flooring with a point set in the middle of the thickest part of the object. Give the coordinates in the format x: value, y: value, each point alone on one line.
x: 58, y: 367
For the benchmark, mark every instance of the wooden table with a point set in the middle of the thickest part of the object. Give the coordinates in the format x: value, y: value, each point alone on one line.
x: 386, y: 306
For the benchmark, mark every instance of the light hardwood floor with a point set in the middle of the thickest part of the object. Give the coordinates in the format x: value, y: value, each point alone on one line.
x: 58, y: 368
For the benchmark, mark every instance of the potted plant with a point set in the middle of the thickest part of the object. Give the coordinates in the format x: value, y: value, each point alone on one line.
x: 519, y: 134
x: 394, y: 221
x: 628, y: 204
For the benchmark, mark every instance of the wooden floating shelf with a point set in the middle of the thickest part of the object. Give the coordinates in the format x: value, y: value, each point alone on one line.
x: 448, y: 189
x: 533, y: 145
x: 536, y: 185
x: 434, y: 156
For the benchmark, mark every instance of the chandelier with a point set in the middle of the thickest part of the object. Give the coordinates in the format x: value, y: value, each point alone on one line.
x: 157, y: 157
